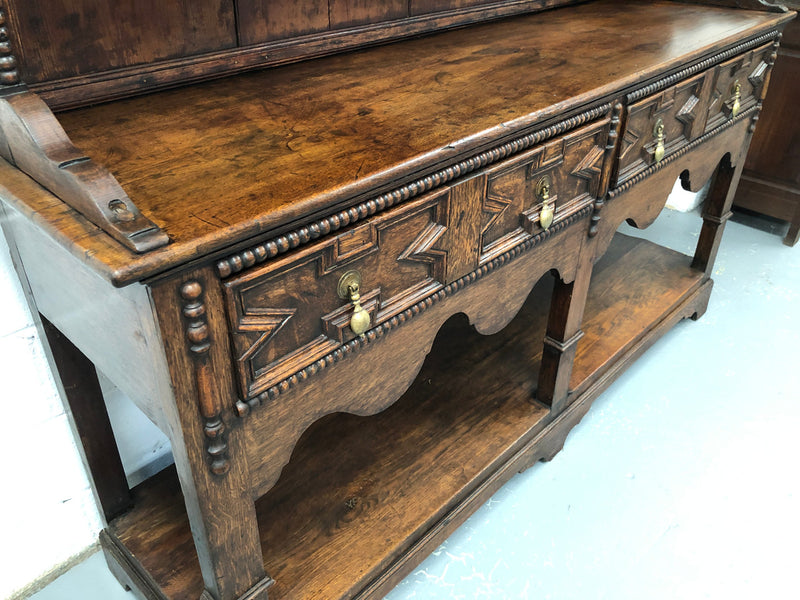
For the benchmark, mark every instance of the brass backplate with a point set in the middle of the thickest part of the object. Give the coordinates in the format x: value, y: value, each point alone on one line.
x: 351, y: 279
x: 543, y: 188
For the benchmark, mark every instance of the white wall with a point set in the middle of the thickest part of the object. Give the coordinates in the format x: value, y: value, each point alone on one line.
x: 683, y: 201
x: 47, y: 509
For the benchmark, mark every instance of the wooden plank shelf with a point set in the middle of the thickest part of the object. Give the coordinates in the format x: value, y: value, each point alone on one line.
x: 368, y: 480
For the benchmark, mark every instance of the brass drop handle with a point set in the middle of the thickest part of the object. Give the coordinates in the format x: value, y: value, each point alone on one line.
x: 349, y: 289
x: 658, y: 132
x: 737, y: 98
x: 547, y: 212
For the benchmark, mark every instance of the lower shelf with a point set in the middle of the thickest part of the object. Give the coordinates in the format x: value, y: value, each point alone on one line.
x: 365, y: 499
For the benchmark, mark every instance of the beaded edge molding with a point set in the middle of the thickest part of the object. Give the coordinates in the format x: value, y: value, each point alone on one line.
x: 752, y: 111
x: 243, y: 407
x: 281, y: 244
x: 664, y: 83
x: 199, y: 341
x: 9, y: 75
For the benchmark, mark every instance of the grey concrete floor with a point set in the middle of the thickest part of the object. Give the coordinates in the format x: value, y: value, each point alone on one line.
x: 680, y: 482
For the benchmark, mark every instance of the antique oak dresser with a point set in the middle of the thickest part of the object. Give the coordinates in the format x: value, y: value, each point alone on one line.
x: 357, y: 260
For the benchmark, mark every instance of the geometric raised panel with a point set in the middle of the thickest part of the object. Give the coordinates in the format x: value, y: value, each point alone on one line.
x: 689, y: 112
x: 511, y: 207
x: 422, y: 249
x: 265, y: 321
x: 286, y: 313
x: 591, y: 166
x: 759, y: 74
x: 749, y: 72
x: 680, y: 108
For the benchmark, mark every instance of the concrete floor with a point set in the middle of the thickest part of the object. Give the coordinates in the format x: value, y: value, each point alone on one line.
x: 681, y: 481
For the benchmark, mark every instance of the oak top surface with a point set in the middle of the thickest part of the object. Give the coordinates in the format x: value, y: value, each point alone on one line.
x: 220, y: 162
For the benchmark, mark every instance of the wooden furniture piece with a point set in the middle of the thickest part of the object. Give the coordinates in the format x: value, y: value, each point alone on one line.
x: 262, y: 261
x: 770, y: 181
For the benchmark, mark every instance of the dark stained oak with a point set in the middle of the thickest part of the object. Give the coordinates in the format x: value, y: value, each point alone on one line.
x: 262, y: 20
x: 347, y: 13
x: 154, y: 47
x: 297, y: 140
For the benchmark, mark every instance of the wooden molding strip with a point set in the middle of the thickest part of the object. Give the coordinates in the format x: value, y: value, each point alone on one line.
x: 32, y: 139
x: 305, y: 234
x: 198, y: 337
x: 664, y: 83
x: 608, y: 165
x: 744, y: 4
x: 9, y: 75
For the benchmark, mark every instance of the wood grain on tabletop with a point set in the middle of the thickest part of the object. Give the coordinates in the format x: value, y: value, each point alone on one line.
x: 225, y: 160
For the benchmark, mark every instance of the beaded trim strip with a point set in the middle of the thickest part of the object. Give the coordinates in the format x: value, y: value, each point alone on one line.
x: 701, y: 66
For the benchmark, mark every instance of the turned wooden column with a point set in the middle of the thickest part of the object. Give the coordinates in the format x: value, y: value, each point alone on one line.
x: 560, y: 342
x: 206, y: 437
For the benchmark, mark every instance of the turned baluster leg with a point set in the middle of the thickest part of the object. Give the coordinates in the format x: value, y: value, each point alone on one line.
x: 563, y: 332
x: 716, y: 212
x: 85, y: 398
x: 207, y: 439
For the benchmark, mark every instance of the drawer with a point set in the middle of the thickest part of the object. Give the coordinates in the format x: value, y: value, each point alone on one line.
x: 675, y: 116
x: 741, y: 78
x: 287, y: 313
x: 569, y: 167
x: 667, y: 121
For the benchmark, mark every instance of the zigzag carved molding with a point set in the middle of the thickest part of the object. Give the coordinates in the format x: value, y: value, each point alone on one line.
x: 243, y: 408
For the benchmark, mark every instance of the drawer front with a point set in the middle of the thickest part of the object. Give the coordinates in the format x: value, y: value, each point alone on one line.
x: 680, y: 112
x: 512, y: 205
x: 741, y: 78
x: 287, y: 314
x: 663, y: 123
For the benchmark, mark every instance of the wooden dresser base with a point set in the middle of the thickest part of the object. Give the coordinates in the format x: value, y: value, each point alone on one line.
x: 417, y: 470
